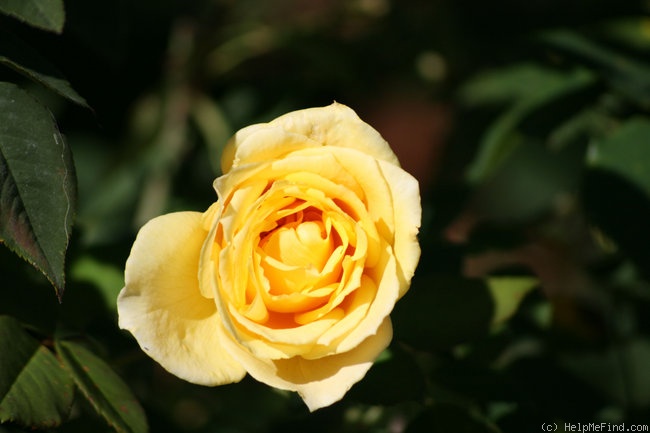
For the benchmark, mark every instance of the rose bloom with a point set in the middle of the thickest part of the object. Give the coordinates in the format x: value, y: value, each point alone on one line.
x: 292, y: 274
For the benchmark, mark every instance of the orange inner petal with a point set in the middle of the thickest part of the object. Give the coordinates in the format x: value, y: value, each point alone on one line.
x: 307, y: 255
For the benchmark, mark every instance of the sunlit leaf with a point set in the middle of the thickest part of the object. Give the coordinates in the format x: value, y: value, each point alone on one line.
x: 37, y: 195
x: 631, y: 31
x: 507, y: 293
x: 44, y: 14
x: 35, y: 390
x: 23, y: 59
x: 103, y: 388
x: 626, y: 152
x: 440, y: 313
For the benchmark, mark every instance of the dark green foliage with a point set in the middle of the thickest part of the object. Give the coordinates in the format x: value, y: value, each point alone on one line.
x: 102, y: 387
x: 35, y: 391
x: 38, y: 184
x: 528, y: 124
x: 46, y: 15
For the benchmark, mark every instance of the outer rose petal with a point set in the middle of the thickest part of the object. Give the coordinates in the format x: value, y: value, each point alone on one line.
x: 320, y: 382
x: 335, y: 125
x: 407, y: 210
x: 162, y: 306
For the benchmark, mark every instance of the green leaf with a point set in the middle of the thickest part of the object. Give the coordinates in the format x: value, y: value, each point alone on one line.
x: 529, y: 182
x: 507, y: 293
x: 44, y: 14
x: 103, y: 388
x: 631, y: 31
x: 24, y: 60
x: 580, y: 127
x: 442, y: 312
x: 510, y: 84
x: 610, y: 372
x: 626, y: 153
x: 628, y: 75
x: 35, y: 390
x: 503, y: 136
x: 37, y: 184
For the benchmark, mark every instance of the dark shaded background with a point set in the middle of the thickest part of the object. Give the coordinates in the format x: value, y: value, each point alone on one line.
x: 170, y: 81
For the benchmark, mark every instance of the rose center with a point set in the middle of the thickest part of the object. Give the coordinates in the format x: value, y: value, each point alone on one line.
x: 304, y: 245
x: 295, y: 254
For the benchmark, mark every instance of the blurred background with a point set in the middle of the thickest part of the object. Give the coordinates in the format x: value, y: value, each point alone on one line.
x: 526, y: 123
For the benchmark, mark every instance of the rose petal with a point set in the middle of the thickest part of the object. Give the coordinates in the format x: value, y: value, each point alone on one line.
x: 339, y: 126
x: 162, y: 306
x: 393, y: 204
x: 256, y: 143
x: 335, y: 125
x: 319, y: 382
x: 405, y: 193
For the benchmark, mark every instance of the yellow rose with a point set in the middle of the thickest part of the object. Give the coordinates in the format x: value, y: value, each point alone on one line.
x: 292, y: 274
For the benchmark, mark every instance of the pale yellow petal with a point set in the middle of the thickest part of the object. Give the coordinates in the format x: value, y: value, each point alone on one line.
x: 320, y: 382
x: 405, y: 193
x: 325, y: 381
x: 339, y: 126
x: 264, y: 144
x: 162, y: 306
x: 335, y: 125
x: 228, y: 154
